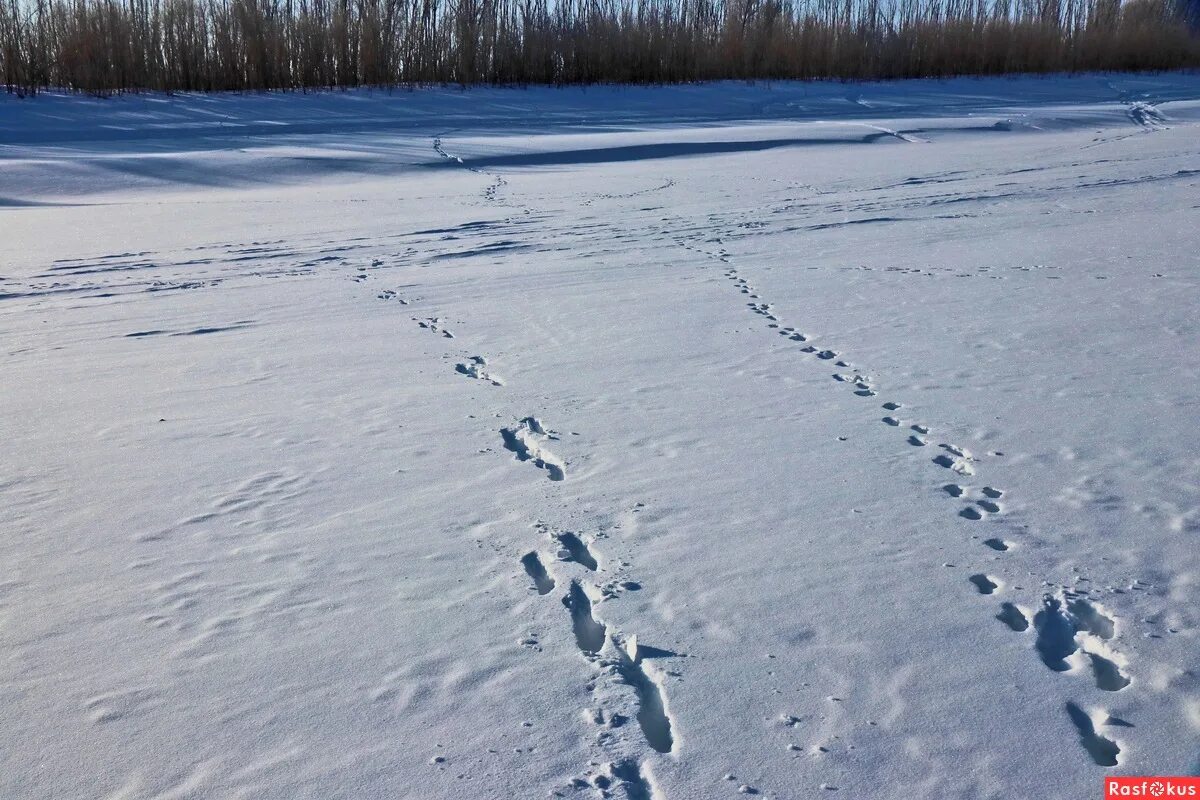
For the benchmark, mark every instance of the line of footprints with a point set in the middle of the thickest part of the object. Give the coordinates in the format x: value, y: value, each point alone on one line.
x: 1072, y: 633
x: 624, y: 686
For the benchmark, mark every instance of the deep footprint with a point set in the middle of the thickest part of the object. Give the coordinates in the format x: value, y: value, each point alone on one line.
x: 1012, y: 616
x: 589, y: 634
x: 959, y: 465
x: 537, y: 573
x: 652, y: 710
x: 575, y: 550
x: 523, y: 441
x: 984, y: 583
x: 1109, y: 677
x: 1055, y: 635
x: 629, y: 776
x: 1104, y: 751
x: 1092, y: 619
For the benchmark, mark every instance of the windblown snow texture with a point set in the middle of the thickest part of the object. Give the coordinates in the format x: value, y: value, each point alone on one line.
x: 656, y: 443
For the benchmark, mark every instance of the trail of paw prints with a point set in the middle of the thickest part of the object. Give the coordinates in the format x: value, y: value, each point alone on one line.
x: 1104, y: 752
x: 359, y: 275
x: 629, y: 710
x: 434, y: 325
x: 1072, y: 635
x: 978, y: 506
x: 492, y: 190
x: 630, y: 195
x: 526, y: 439
x: 627, y: 690
x: 950, y: 456
x: 953, y: 457
x: 1075, y: 635
x: 477, y: 367
x: 390, y: 294
x: 860, y: 383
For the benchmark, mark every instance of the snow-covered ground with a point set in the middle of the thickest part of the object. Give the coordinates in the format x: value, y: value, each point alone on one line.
x: 655, y: 443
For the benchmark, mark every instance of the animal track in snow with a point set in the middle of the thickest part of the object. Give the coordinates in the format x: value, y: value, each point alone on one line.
x: 623, y: 668
x: 441, y: 151
x: 622, y: 778
x: 390, y: 294
x: 524, y: 439
x: 652, y: 709
x: 1106, y: 665
x: 956, y: 459
x: 1104, y: 751
x: 974, y: 512
x: 621, y: 661
x: 476, y: 367
x: 860, y: 383
x: 1147, y: 116
x: 793, y: 334
x: 434, y: 325
x: 1055, y: 634
x: 590, y: 634
x: 491, y: 192
x: 1072, y: 633
x: 762, y: 309
x: 629, y: 195
x: 1091, y: 618
x: 985, y: 584
x: 572, y: 548
x: 1013, y: 617
x: 542, y: 580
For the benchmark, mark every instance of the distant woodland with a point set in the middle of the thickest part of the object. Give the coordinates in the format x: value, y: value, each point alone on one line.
x: 107, y: 46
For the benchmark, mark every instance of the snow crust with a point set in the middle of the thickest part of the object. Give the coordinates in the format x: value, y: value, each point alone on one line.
x: 693, y: 442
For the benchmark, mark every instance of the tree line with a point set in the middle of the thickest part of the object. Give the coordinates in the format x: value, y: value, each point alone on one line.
x: 107, y: 46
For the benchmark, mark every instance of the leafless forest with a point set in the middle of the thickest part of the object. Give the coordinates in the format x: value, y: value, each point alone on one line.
x: 105, y: 46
